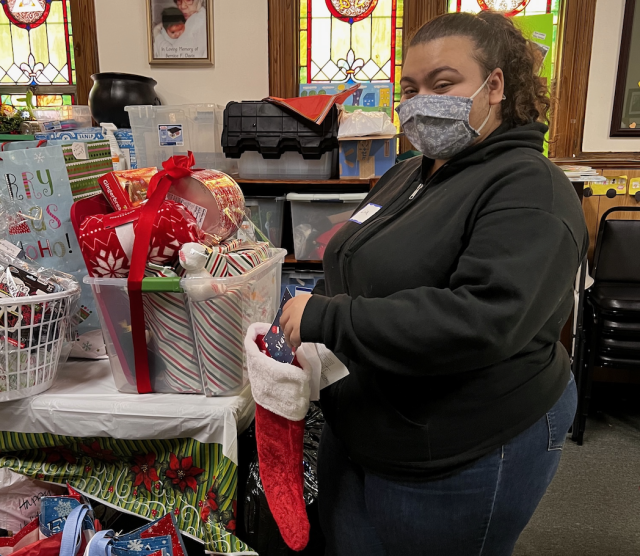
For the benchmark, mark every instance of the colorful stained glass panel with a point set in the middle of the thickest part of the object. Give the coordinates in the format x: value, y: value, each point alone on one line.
x: 40, y: 55
x: 534, y: 7
x: 346, y: 50
x: 40, y: 100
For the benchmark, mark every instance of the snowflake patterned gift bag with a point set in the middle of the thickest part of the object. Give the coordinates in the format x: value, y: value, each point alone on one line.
x: 37, y: 179
x: 165, y: 526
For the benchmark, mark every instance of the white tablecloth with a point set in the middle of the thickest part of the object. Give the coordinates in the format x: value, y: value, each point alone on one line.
x: 84, y: 402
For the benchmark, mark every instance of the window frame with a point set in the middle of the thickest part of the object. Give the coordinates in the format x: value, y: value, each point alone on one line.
x: 85, y: 48
x: 621, y: 80
x: 569, y: 92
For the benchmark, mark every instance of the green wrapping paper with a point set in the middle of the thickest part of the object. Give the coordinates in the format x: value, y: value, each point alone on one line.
x: 193, y: 481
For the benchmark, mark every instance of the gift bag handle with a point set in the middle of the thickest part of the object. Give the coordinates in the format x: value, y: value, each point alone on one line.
x: 100, y: 544
x: 174, y: 168
x: 72, y: 532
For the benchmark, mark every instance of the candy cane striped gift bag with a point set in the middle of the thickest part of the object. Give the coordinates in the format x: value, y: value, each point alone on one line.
x: 219, y: 328
x: 167, y: 317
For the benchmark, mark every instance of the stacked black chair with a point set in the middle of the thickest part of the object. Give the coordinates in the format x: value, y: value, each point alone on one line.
x: 608, y: 331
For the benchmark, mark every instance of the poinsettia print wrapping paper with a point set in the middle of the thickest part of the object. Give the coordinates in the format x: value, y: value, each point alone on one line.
x: 192, y: 481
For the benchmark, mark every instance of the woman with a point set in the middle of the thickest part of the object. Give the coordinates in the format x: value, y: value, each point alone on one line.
x: 192, y: 42
x: 446, y: 297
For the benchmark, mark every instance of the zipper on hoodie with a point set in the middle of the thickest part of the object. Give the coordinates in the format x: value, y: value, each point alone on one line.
x: 413, y: 195
x: 370, y: 228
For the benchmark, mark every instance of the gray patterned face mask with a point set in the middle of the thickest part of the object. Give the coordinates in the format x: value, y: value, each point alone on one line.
x: 438, y: 125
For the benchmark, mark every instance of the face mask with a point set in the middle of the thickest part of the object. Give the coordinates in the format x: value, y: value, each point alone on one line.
x: 438, y: 125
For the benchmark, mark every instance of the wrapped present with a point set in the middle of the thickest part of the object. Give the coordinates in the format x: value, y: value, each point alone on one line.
x: 219, y: 329
x: 127, y: 189
x: 124, y: 138
x: 214, y: 198
x: 106, y: 240
x: 242, y: 261
x: 112, y: 249
x: 167, y: 317
x: 220, y: 319
x: 235, y: 257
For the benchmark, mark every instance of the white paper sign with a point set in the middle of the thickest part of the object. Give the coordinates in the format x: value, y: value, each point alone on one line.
x: 367, y: 212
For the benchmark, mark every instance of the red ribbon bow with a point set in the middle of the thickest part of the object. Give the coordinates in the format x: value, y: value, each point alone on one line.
x: 174, y: 168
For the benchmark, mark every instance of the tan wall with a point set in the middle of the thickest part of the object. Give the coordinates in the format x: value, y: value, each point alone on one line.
x: 241, y: 70
x: 602, y: 81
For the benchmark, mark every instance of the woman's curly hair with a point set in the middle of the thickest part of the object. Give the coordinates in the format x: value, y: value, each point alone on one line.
x: 499, y: 44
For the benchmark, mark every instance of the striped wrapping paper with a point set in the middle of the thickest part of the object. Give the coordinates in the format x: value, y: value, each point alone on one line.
x: 233, y: 258
x: 84, y: 174
x: 242, y: 261
x: 221, y: 322
x: 219, y: 327
x: 167, y: 317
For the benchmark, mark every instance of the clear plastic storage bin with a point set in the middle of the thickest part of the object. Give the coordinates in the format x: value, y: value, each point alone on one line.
x: 267, y: 214
x: 63, y: 118
x: 316, y: 218
x: 160, y: 132
x: 195, y: 328
x: 290, y: 166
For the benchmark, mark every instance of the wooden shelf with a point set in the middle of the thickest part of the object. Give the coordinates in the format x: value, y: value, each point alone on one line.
x: 291, y: 259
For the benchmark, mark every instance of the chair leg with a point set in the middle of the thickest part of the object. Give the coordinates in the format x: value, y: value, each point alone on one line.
x: 579, y: 373
x: 586, y: 382
x: 579, y: 421
x: 585, y: 395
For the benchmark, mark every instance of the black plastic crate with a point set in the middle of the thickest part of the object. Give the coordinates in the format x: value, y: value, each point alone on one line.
x: 265, y: 127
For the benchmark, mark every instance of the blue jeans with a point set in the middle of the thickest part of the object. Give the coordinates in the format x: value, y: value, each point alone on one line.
x: 479, y: 511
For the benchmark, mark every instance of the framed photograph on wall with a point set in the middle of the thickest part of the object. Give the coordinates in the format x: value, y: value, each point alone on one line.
x: 632, y: 109
x: 180, y: 32
x: 625, y: 119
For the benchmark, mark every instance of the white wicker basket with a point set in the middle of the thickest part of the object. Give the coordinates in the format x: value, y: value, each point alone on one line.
x: 28, y: 364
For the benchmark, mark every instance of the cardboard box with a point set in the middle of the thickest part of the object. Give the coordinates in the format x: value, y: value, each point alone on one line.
x: 126, y: 189
x: 367, y: 157
x: 124, y: 137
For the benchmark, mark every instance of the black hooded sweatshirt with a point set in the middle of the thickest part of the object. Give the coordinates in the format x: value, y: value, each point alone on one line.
x: 447, y: 307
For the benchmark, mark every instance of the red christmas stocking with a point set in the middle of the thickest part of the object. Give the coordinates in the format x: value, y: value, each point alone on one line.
x: 280, y: 445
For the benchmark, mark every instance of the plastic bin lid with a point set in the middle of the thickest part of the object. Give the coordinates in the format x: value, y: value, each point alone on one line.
x: 206, y: 107
x: 327, y: 197
x: 253, y: 199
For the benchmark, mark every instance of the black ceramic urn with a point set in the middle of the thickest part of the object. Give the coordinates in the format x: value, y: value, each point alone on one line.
x: 111, y: 92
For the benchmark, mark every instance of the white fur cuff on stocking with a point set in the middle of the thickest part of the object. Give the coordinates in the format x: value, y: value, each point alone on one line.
x: 281, y: 388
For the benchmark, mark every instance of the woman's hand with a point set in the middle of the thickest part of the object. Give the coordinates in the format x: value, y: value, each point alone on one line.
x: 292, y: 318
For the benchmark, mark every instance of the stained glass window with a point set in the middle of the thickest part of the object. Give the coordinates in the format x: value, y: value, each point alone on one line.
x: 351, y: 41
x: 521, y: 8
x: 36, y: 48
x: 41, y: 100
